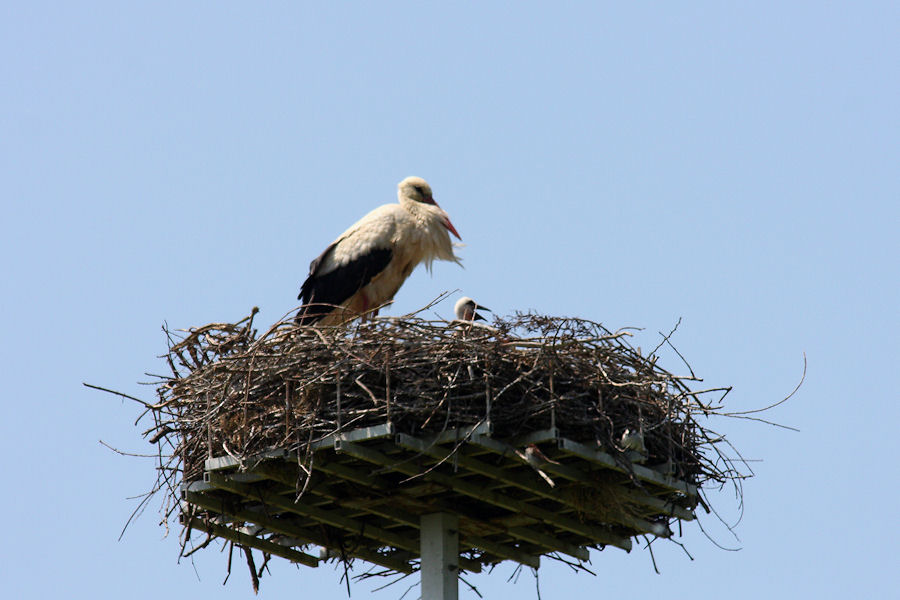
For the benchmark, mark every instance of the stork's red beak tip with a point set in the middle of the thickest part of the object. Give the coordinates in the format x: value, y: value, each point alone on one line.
x: 452, y: 229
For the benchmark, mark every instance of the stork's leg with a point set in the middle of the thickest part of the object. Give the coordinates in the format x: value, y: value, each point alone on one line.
x: 364, y: 315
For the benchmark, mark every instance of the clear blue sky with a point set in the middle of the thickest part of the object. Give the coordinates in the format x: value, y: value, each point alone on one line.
x: 733, y: 166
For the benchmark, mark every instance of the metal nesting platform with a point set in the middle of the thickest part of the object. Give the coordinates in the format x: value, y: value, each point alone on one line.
x: 447, y: 503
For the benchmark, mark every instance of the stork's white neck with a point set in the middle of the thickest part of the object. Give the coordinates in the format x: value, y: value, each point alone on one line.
x: 428, y: 227
x: 428, y: 213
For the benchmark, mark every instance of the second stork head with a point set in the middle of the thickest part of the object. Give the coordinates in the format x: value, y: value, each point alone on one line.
x: 466, y: 309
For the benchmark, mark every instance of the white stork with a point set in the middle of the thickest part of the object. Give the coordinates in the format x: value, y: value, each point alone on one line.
x: 466, y: 308
x: 364, y: 267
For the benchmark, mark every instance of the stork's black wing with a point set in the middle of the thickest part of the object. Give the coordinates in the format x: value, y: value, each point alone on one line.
x: 320, y: 293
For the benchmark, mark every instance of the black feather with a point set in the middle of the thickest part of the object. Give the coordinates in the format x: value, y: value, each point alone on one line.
x: 321, y: 293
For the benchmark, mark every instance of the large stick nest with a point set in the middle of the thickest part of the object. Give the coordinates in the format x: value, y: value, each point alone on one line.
x: 234, y: 392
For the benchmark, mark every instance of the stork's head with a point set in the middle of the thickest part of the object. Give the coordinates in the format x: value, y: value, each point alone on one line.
x: 417, y: 190
x: 466, y: 309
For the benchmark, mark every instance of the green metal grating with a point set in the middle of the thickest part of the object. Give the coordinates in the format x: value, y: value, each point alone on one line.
x: 362, y: 494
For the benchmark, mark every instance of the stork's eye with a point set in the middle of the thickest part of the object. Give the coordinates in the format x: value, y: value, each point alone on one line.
x: 420, y: 190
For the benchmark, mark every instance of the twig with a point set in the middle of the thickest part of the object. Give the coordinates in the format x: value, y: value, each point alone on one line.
x: 123, y: 395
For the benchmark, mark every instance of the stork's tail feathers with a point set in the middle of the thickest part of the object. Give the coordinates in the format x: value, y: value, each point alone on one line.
x: 310, y: 314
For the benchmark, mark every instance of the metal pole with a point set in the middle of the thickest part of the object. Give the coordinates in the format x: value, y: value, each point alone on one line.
x: 439, y: 546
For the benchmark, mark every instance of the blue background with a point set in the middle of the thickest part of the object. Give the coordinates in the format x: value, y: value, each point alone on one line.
x: 632, y: 163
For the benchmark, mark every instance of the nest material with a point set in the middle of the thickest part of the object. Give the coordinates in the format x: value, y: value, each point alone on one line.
x: 239, y: 394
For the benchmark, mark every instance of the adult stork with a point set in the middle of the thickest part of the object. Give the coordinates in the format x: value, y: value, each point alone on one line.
x: 364, y: 267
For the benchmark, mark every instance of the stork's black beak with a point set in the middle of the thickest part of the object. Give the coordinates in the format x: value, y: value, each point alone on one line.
x: 477, y: 316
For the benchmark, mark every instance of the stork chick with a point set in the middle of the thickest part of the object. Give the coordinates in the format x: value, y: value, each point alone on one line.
x: 466, y: 309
